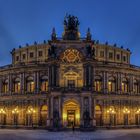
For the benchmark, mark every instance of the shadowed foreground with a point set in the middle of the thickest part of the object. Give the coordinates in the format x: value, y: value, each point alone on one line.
x: 15, y: 134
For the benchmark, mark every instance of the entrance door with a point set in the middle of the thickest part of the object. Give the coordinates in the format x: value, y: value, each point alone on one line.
x: 71, y: 117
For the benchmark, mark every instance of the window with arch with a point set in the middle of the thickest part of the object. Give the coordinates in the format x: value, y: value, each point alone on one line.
x: 30, y: 85
x: 5, y: 86
x: 98, y: 83
x: 71, y: 55
x: 136, y: 86
x: 44, y: 83
x: 124, y: 85
x: 16, y: 85
x: 111, y: 84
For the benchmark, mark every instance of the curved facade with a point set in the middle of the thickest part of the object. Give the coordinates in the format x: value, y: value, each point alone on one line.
x: 70, y: 80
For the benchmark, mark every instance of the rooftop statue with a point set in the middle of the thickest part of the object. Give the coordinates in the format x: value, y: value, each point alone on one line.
x: 71, y: 31
x: 71, y: 22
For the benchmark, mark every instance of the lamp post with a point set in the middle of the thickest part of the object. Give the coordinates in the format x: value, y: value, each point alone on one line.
x: 15, y: 113
x: 111, y: 113
x: 2, y: 115
x: 138, y: 116
x: 126, y: 112
x: 30, y: 112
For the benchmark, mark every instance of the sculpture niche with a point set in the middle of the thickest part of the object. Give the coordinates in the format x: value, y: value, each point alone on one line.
x: 52, y: 52
x: 90, y: 52
x: 71, y: 24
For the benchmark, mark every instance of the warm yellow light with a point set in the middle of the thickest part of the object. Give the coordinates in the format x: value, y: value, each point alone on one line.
x: 77, y: 116
x: 64, y: 116
x: 2, y: 111
x: 111, y: 111
x: 15, y: 111
x: 126, y: 111
x: 109, y: 83
x: 31, y: 110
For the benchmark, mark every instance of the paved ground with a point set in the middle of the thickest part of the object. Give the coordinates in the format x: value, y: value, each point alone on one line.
x: 18, y: 134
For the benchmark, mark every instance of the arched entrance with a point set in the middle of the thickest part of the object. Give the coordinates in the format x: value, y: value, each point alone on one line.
x: 71, y: 113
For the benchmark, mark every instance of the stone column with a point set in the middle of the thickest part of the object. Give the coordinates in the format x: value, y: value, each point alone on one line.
x: 82, y: 108
x: 51, y: 111
x: 118, y: 87
x: 21, y: 83
x: 10, y: 83
x: 60, y: 110
x: 105, y: 82
x: 131, y: 84
x: 94, y: 111
x: 93, y: 79
x: 37, y: 82
x: 84, y: 76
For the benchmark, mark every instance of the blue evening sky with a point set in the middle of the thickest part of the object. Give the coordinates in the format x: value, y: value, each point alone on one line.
x: 26, y: 21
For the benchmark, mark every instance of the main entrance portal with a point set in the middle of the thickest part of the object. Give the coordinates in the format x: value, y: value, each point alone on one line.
x: 71, y: 113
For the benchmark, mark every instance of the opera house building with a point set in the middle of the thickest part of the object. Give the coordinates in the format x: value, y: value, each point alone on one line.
x: 70, y: 80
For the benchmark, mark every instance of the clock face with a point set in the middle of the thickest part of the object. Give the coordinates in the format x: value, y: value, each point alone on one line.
x: 71, y: 56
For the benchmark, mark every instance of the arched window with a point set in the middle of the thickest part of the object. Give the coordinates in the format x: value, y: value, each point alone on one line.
x: 124, y: 85
x: 30, y: 84
x: 16, y: 85
x: 97, y: 83
x: 44, y: 83
x: 111, y: 84
x: 136, y: 86
x: 5, y: 87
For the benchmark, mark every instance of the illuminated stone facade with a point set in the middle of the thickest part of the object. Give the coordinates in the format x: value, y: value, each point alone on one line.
x: 70, y: 80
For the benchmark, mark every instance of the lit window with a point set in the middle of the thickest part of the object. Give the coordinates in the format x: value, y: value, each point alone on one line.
x: 97, y: 85
x: 111, y: 86
x: 30, y: 85
x: 5, y: 86
x: 17, y: 87
x: 124, y: 86
x: 44, y: 85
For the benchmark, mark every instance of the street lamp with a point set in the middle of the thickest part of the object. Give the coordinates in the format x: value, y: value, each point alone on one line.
x: 15, y: 114
x: 30, y: 112
x: 2, y: 115
x: 126, y: 111
x: 138, y: 116
x: 111, y: 111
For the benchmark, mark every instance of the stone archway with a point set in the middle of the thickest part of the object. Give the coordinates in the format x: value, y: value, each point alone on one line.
x: 71, y: 113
